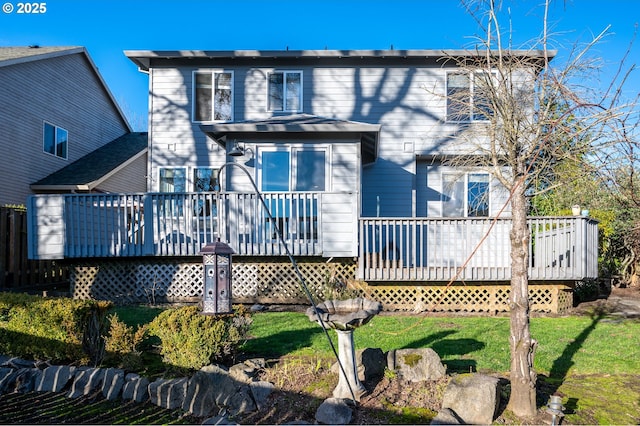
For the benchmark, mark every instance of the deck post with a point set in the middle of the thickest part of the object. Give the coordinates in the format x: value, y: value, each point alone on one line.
x: 148, y: 244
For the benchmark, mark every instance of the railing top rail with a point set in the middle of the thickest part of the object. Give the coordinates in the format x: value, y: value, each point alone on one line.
x: 487, y: 219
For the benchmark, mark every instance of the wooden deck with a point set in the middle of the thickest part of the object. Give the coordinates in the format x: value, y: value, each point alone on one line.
x: 475, y: 249
x: 311, y: 224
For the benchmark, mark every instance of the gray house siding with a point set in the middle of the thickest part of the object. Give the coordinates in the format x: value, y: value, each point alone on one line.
x: 131, y: 178
x: 64, y: 91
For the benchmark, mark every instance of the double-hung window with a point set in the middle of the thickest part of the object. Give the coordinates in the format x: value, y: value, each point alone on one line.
x: 284, y: 91
x: 468, y: 96
x: 55, y: 140
x: 213, y: 96
x: 465, y: 195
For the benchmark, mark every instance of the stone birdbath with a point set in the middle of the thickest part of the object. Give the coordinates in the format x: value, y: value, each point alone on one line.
x: 344, y: 316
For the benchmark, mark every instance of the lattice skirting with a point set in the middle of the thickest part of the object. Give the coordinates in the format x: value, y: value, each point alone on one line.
x: 275, y: 281
x: 554, y: 298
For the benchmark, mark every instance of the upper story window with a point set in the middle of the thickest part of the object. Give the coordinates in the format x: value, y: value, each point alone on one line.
x: 465, y: 195
x: 55, y: 140
x: 213, y: 96
x: 467, y: 96
x: 284, y: 91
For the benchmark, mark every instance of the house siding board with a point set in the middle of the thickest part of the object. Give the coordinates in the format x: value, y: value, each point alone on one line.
x: 132, y: 178
x: 63, y: 91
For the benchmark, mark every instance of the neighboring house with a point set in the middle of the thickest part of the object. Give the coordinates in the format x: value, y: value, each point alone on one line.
x: 117, y: 166
x: 346, y: 149
x: 56, y: 108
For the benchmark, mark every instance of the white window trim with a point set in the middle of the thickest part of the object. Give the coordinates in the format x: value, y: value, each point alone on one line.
x: 55, y: 141
x: 284, y: 88
x: 465, y: 176
x: 472, y: 83
x: 292, y: 150
x: 213, y: 72
x: 186, y: 183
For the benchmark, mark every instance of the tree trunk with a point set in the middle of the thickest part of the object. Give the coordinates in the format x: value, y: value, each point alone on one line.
x: 523, y: 378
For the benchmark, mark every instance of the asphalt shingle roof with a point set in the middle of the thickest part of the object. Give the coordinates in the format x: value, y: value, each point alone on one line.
x: 95, y: 165
x: 25, y: 53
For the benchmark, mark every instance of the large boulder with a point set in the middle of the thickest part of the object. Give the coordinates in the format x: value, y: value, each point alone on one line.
x: 370, y: 364
x: 416, y: 365
x: 473, y: 398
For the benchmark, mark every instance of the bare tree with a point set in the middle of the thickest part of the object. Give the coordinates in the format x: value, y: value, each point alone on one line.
x: 523, y: 118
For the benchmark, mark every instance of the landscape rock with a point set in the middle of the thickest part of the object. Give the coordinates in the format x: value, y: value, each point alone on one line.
x: 222, y: 385
x: 257, y: 308
x: 474, y: 398
x: 5, y: 373
x: 19, y: 380
x: 168, y: 393
x: 416, y: 365
x: 18, y: 363
x: 261, y: 391
x: 334, y: 411
x: 241, y: 402
x: 220, y: 419
x: 247, y: 371
x: 370, y: 364
x: 85, y: 381
x: 200, y: 398
x: 135, y: 388
x: 55, y: 378
x: 113, y: 383
x: 447, y: 416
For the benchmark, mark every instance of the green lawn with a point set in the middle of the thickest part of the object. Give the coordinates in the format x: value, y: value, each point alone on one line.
x: 568, y: 345
x: 593, y: 362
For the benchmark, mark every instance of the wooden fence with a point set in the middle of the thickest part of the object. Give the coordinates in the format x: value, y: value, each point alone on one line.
x: 17, y: 272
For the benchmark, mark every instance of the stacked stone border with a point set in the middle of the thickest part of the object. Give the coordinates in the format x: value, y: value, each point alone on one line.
x: 215, y: 392
x: 210, y: 390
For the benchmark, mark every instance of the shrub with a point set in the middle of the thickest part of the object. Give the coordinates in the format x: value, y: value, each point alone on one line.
x: 58, y: 329
x: 122, y: 343
x: 587, y: 290
x: 191, y: 340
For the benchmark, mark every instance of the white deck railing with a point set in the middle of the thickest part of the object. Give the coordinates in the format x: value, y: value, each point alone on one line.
x: 474, y: 249
x: 389, y: 249
x: 180, y: 224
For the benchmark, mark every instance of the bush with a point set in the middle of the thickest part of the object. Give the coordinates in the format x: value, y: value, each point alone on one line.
x: 586, y: 290
x: 122, y: 344
x: 191, y: 340
x: 59, y: 329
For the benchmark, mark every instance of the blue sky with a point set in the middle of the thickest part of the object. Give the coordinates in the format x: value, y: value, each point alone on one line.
x: 107, y: 28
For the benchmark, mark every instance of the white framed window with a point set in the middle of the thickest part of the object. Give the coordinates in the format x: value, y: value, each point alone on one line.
x: 205, y: 179
x: 467, y: 96
x: 55, y: 140
x: 465, y: 195
x: 284, y: 91
x: 212, y: 96
x: 173, y: 179
x: 294, y: 169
